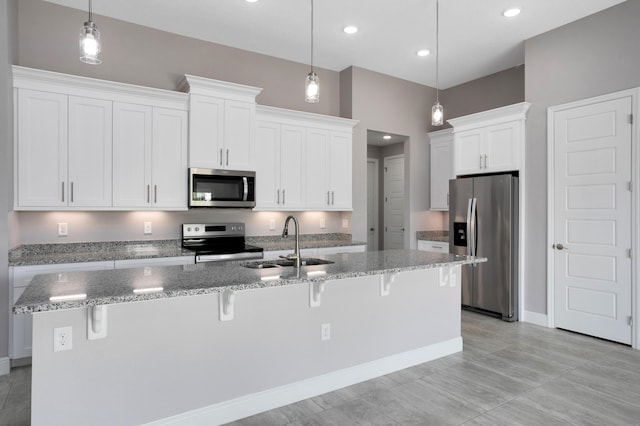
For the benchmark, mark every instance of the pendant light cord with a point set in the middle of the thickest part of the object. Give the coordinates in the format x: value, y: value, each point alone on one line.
x: 90, y: 12
x: 311, y: 35
x: 437, y: 50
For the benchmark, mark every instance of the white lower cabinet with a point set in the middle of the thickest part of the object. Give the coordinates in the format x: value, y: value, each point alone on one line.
x: 20, y: 277
x: 435, y: 246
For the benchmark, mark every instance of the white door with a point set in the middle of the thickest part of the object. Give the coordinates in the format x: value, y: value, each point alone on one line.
x: 239, y: 119
x: 169, y: 163
x: 372, y: 204
x: 592, y: 219
x: 316, y: 161
x: 340, y: 170
x: 206, y: 131
x: 394, y: 202
x: 267, y: 165
x: 292, y: 185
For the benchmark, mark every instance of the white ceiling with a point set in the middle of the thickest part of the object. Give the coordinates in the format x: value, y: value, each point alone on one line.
x: 475, y: 39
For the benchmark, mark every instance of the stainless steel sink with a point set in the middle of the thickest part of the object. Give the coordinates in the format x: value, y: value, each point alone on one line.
x: 265, y: 264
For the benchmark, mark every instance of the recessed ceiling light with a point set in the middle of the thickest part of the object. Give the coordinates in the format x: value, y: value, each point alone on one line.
x: 510, y: 13
x: 386, y: 137
x: 423, y: 52
x: 251, y: 1
x: 350, y: 29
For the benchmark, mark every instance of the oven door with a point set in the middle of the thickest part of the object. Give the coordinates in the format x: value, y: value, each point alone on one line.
x: 221, y: 188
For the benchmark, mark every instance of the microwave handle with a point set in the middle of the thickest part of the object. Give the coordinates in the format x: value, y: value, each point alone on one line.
x: 245, y: 193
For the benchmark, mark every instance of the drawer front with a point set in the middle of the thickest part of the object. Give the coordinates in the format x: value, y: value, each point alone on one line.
x: 435, y: 246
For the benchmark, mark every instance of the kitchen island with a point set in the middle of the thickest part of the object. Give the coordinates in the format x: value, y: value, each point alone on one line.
x: 211, y: 343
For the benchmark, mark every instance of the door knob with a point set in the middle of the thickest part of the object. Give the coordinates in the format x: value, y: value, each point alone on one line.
x: 559, y: 246
x: 371, y: 229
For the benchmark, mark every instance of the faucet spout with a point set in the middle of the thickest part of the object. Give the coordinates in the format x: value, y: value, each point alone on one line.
x: 295, y: 256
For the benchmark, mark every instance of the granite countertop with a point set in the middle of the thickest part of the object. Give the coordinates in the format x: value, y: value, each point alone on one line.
x: 125, y: 285
x: 433, y: 236
x: 48, y: 254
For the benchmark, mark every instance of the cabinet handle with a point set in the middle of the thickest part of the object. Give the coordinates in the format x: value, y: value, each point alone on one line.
x: 447, y: 199
x: 148, y: 189
x: 227, y: 157
x: 485, y: 161
x: 71, y: 192
x: 333, y: 198
x: 63, y: 192
x: 221, y: 156
x: 278, y: 197
x: 481, y: 161
x: 283, y: 199
x: 155, y: 194
x: 328, y: 198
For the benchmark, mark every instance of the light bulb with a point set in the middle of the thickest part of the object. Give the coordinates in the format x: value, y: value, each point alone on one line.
x: 437, y: 115
x: 90, y: 44
x: 312, y: 88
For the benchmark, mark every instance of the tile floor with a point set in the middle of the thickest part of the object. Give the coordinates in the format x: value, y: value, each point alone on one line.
x: 508, y: 374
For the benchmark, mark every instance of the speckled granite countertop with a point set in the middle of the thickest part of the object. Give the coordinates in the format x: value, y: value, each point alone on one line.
x: 48, y: 254
x: 124, y: 285
x: 433, y: 236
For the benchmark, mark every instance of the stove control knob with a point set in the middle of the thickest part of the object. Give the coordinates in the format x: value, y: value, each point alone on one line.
x: 188, y: 229
x: 197, y: 228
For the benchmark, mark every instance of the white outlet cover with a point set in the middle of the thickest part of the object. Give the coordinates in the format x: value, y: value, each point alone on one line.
x: 323, y: 223
x: 62, y: 339
x: 147, y: 228
x: 325, y: 332
x: 272, y: 224
x: 345, y: 223
x: 63, y: 229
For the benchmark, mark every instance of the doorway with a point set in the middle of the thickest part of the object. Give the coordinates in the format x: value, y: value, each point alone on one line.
x: 373, y: 183
x: 394, y: 202
x: 590, y: 211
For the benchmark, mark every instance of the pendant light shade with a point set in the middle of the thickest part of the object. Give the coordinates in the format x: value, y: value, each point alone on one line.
x: 312, y: 82
x: 89, y: 42
x: 437, y: 112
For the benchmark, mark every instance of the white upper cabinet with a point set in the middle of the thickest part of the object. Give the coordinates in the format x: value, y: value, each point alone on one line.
x: 303, y: 161
x: 441, y: 168
x: 221, y: 124
x: 64, y: 150
x: 87, y: 144
x: 490, y: 141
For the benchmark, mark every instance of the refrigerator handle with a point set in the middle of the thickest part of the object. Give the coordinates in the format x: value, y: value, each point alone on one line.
x: 473, y: 241
x: 469, y: 230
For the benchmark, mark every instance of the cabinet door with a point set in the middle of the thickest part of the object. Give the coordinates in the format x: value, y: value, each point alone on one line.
x: 340, y: 170
x: 90, y: 144
x: 267, y: 165
x: 316, y: 170
x: 434, y: 246
x: 206, y: 127
x: 501, y: 147
x: 20, y: 331
x: 132, y: 138
x: 469, y: 153
x: 239, y: 120
x: 292, y: 145
x: 42, y: 149
x: 441, y: 169
x: 156, y: 261
x: 169, y: 163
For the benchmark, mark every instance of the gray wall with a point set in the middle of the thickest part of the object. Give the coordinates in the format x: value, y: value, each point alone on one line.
x: 493, y: 91
x: 590, y: 57
x: 8, y: 42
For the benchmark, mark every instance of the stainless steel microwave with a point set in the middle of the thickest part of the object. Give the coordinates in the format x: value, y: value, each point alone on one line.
x: 222, y: 188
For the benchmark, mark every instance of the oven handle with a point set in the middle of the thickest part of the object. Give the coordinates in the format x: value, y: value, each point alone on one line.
x: 245, y: 194
x: 195, y: 241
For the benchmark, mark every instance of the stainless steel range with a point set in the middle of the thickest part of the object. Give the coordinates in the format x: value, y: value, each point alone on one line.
x: 216, y: 242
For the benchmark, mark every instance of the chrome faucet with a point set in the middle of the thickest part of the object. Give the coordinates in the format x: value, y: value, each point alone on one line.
x: 295, y: 256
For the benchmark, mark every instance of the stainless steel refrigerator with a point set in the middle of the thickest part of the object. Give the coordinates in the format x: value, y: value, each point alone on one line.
x: 483, y: 222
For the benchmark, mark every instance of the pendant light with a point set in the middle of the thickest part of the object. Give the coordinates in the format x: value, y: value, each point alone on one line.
x: 90, y: 48
x: 437, y: 112
x: 312, y: 82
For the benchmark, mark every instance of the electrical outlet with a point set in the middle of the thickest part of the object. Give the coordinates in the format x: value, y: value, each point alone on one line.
x: 62, y: 339
x: 325, y: 331
x: 63, y: 229
x: 272, y: 224
x: 323, y: 223
x: 147, y: 228
x: 345, y: 223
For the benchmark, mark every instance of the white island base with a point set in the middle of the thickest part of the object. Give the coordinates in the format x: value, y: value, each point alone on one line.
x: 172, y: 361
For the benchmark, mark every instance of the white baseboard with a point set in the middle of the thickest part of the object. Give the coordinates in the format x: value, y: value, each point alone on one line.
x: 5, y: 366
x: 259, y: 402
x: 535, y: 318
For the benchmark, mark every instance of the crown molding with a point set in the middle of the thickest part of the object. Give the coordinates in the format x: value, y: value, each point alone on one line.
x: 493, y: 116
x: 300, y: 118
x: 222, y: 89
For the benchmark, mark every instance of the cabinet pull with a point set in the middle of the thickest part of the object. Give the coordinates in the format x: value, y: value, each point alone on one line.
x: 221, y: 156
x: 328, y: 198
x: 485, y: 161
x: 447, y: 199
x: 227, y: 157
x: 148, y: 189
x: 63, y: 192
x: 333, y: 198
x: 481, y: 161
x: 278, y: 197
x: 71, y: 195
x: 283, y: 199
x: 155, y: 194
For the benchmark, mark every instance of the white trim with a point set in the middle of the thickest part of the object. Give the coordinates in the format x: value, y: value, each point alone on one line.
x: 217, y: 88
x: 376, y: 200
x: 534, y: 318
x: 635, y: 203
x: 73, y: 85
x: 504, y: 114
x: 301, y: 118
x: 249, y: 405
x: 5, y: 365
